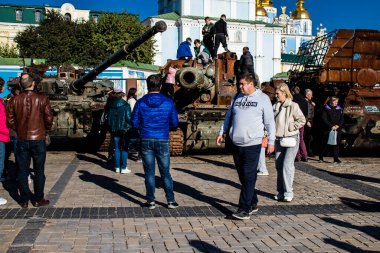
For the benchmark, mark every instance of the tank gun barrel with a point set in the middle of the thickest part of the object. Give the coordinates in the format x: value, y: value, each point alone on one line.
x: 160, y: 26
x: 192, y: 78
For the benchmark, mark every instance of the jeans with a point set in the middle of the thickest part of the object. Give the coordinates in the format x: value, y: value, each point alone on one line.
x: 27, y: 149
x: 302, y: 151
x: 246, y: 160
x: 121, y: 150
x: 151, y: 150
x: 2, y: 157
x: 262, y: 167
x: 285, y: 168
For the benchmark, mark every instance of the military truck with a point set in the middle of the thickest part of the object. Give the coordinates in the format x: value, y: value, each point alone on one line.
x: 345, y: 63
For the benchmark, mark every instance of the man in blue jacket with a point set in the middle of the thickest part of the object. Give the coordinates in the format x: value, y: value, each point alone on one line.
x: 154, y: 115
x: 184, y: 50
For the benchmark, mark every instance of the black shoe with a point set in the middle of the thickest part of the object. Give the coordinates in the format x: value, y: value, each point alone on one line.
x: 337, y: 161
x: 42, y: 202
x: 253, y: 210
x: 24, y: 204
x: 320, y: 159
x: 304, y: 160
x: 173, y: 205
x: 241, y: 215
x: 150, y: 205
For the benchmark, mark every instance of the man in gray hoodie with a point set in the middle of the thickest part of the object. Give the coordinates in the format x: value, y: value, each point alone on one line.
x: 251, y: 113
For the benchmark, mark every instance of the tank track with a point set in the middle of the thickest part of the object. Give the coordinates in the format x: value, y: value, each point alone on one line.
x: 176, y: 142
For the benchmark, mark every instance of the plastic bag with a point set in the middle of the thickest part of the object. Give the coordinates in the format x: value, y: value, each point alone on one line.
x: 332, y: 137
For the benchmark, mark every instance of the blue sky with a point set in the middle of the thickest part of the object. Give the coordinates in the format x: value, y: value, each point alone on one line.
x: 331, y: 13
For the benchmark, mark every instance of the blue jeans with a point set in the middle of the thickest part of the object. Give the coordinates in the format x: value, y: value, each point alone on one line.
x: 35, y: 150
x: 246, y: 160
x: 2, y: 157
x: 157, y: 149
x: 121, y: 150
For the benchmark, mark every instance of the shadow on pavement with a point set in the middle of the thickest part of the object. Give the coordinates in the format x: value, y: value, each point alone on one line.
x: 216, y: 163
x: 215, y: 179
x: 111, y: 185
x: 373, y: 231
x: 192, y: 192
x: 204, y: 247
x: 353, y: 176
x: 361, y: 205
x: 99, y: 161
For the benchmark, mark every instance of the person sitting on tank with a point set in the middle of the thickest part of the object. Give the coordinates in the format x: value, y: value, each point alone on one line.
x: 184, y: 50
x: 168, y: 86
x: 201, y: 53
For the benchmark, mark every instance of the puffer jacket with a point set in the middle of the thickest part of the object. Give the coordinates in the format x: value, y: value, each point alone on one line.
x: 289, y: 119
x: 4, y: 131
x: 170, y: 77
x: 30, y: 115
x: 246, y: 63
x: 332, y: 116
x: 119, y: 116
x: 154, y: 115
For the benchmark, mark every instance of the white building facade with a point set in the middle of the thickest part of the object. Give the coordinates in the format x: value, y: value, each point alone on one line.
x: 251, y: 23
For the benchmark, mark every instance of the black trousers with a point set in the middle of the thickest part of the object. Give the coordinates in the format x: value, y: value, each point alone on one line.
x: 246, y: 160
x: 219, y: 38
x: 325, y: 147
x: 208, y: 40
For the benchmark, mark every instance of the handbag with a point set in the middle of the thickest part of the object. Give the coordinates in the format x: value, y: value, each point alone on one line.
x: 332, y: 138
x: 288, y: 142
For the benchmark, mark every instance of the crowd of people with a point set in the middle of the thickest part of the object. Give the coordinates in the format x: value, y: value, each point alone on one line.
x: 257, y: 124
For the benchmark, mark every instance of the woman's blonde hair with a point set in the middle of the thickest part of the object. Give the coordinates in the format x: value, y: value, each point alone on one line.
x: 284, y: 88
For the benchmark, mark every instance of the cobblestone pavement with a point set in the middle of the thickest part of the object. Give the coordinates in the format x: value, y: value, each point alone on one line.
x: 336, y: 209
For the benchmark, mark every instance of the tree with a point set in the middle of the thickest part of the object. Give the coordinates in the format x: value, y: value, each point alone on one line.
x: 82, y: 43
x: 8, y: 51
x: 115, y: 30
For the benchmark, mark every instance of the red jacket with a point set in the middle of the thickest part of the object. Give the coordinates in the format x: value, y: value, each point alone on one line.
x: 4, y: 131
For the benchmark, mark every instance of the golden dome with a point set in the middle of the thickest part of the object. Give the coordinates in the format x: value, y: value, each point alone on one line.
x: 267, y: 3
x: 300, y: 12
x: 260, y: 11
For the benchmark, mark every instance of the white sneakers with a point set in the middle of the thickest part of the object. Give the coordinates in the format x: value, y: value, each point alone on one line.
x: 263, y: 173
x: 3, y: 201
x: 125, y: 171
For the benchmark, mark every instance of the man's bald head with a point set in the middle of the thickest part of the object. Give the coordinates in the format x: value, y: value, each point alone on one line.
x: 26, y: 81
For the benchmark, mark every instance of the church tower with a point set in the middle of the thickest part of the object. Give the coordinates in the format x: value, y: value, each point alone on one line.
x: 270, y: 9
x: 261, y: 13
x: 301, y: 17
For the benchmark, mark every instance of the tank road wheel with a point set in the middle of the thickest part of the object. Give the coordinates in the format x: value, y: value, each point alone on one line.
x: 176, y: 142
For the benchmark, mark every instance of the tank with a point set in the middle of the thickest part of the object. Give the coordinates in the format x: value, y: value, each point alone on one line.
x: 202, y: 96
x: 78, y: 101
x: 345, y: 63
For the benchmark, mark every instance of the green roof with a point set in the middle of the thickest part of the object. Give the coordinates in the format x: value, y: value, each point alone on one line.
x: 129, y: 64
x: 175, y: 16
x: 281, y: 75
x: 289, y: 58
x: 18, y: 61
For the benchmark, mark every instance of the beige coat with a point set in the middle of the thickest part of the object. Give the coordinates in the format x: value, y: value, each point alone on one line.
x: 289, y: 120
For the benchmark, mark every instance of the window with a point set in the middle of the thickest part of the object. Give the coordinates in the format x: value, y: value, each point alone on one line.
x: 19, y: 15
x: 68, y: 17
x: 95, y: 18
x: 238, y: 36
x: 37, y: 16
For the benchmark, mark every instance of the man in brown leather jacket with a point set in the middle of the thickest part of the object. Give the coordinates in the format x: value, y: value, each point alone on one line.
x: 30, y: 115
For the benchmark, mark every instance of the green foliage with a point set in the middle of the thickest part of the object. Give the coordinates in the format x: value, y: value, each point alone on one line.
x: 8, y: 51
x: 83, y: 43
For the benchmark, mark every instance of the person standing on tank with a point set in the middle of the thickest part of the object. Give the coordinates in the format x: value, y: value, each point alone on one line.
x: 221, y: 34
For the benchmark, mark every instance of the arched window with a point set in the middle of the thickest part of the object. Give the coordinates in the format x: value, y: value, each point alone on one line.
x: 19, y: 15
x: 37, y: 16
x: 68, y: 17
x: 238, y: 36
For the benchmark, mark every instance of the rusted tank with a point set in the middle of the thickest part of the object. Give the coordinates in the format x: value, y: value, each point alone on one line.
x: 78, y: 101
x: 345, y: 63
x: 202, y: 97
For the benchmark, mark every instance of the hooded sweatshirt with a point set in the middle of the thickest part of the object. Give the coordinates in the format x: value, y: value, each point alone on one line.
x: 154, y: 115
x: 251, y: 114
